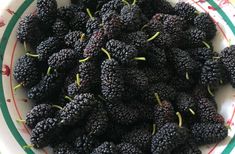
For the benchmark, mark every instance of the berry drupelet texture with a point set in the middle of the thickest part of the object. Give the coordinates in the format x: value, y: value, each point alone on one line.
x: 79, y: 21
x: 64, y: 148
x: 186, y: 104
x: 26, y: 71
x: 207, y: 133
x: 185, y: 10
x: 60, y: 28
x: 72, y: 37
x: 112, y: 84
x: 105, y: 148
x: 127, y: 148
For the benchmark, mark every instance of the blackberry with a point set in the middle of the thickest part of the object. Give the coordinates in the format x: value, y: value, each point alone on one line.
x: 137, y: 39
x: 201, y: 54
x: 182, y: 84
x: 77, y: 109
x: 65, y: 13
x: 47, y: 47
x: 211, y: 74
x: 207, y: 133
x: 164, y: 91
x: 63, y: 60
x: 195, y: 37
x: 79, y: 22
x: 97, y: 121
x: 207, y: 113
x: 85, y: 144
x: 46, y: 88
x: 60, y: 28
x: 168, y: 138
x: 112, y: 24
x: 112, y: 84
x: 94, y: 44
x: 227, y: 59
x: 184, y: 64
x: 71, y: 76
x: 121, y: 51
x: 132, y: 17
x: 75, y: 88
x: 173, y: 24
x: 27, y: 29
x: 26, y: 71
x: 39, y: 113
x: 140, y: 137
x: 205, y: 23
x: 46, y: 11
x: 163, y: 6
x: 64, y: 148
x: 43, y: 132
x: 188, y: 147
x: 79, y: 46
x: 186, y: 104
x: 136, y: 78
x: 155, y: 24
x: 164, y: 40
x: 185, y: 10
x: 92, y: 25
x: 113, y: 5
x: 156, y: 58
x: 105, y: 148
x: 159, y: 75
x: 127, y: 148
x: 121, y: 113
x: 163, y: 113
x: 72, y: 37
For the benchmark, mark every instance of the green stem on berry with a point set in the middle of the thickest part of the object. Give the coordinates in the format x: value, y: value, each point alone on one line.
x: 49, y: 71
x: 153, y: 37
x: 84, y: 60
x: 158, y: 99
x: 106, y: 52
x: 57, y: 106
x: 89, y: 13
x: 187, y: 75
x: 78, y: 79
x: 180, y: 119
x: 146, y: 25
x: 82, y: 38
x: 134, y: 2
x: 206, y: 44
x: 20, y: 121
x: 221, y: 81
x: 61, y: 122
x: 197, y: 12
x: 28, y: 146
x: 154, y: 129
x: 215, y: 58
x: 191, y: 110
x: 68, y: 98
x: 228, y: 126
x: 209, y: 91
x: 140, y: 58
x: 18, y: 86
x: 32, y: 55
x: 124, y: 1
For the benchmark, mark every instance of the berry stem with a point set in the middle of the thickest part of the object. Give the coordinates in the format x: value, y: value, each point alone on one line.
x: 158, y: 99
x: 197, y: 12
x: 49, y: 71
x: 20, y: 121
x: 221, y: 81
x: 18, y: 86
x: 153, y: 37
x: 82, y: 38
x: 140, y: 58
x: 102, y: 98
x: 216, y: 58
x: 28, y: 146
x: 134, y: 2
x: 209, y: 90
x: 180, y: 119
x: 206, y: 44
x: 25, y: 47
x: 32, y: 55
x: 68, y: 98
x: 187, y: 75
x: 89, y: 13
x: 228, y: 126
x: 124, y: 1
x: 154, y: 129
x: 78, y: 79
x: 83, y: 60
x: 191, y: 110
x: 57, y: 106
x: 106, y: 52
x: 146, y: 25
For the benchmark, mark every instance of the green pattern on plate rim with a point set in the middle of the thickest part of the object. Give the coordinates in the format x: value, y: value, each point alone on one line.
x: 213, y: 7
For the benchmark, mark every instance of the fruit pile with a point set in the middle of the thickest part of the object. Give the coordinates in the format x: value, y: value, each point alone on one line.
x: 122, y: 77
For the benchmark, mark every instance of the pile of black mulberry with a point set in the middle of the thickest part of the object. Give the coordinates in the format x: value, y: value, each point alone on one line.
x: 122, y: 77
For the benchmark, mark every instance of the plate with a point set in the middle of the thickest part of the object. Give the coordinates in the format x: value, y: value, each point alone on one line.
x: 14, y: 104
